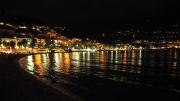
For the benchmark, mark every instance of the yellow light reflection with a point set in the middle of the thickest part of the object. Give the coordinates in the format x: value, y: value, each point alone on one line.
x: 30, y: 62
x: 111, y: 56
x: 103, y: 60
x: 76, y: 61
x: 38, y: 64
x: 116, y: 56
x: 102, y: 57
x: 133, y: 57
x: 67, y: 63
x: 76, y: 58
x: 45, y: 60
x: 125, y: 57
x: 140, y: 58
x: 88, y: 56
x: 83, y: 56
x: 57, y: 61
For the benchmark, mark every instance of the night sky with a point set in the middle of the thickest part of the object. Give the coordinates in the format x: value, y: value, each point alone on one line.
x: 94, y: 12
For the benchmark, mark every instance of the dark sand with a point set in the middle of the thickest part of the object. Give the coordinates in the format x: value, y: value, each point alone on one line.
x: 17, y: 85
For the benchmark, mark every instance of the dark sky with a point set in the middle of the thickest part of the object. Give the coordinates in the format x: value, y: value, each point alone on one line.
x: 83, y: 12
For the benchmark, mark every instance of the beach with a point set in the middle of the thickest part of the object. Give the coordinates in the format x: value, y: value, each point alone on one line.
x: 18, y: 85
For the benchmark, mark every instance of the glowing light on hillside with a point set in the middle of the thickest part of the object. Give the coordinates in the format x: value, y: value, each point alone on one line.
x: 22, y: 27
x: 1, y: 23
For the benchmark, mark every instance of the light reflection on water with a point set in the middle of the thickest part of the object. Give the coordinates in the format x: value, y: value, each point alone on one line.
x: 158, y: 68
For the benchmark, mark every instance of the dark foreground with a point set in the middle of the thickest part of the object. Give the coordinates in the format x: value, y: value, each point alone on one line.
x: 17, y: 85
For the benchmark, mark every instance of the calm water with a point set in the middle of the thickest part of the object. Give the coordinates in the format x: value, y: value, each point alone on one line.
x: 88, y: 71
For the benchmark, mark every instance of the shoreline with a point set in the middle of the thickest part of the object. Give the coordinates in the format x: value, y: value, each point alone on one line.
x: 23, y: 86
x: 17, y: 85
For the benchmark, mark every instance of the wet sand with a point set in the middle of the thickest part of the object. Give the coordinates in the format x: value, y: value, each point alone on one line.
x: 17, y: 85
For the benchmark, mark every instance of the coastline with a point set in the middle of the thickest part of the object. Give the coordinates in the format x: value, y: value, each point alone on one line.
x: 17, y: 85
